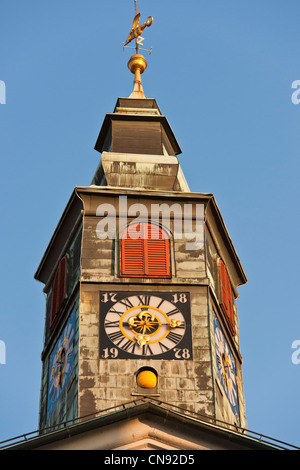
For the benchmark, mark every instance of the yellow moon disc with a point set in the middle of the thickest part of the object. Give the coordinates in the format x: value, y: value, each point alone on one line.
x: 146, y: 379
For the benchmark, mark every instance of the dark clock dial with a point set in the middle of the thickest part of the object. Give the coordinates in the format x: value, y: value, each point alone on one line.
x: 226, y: 367
x: 153, y: 325
x: 61, y: 363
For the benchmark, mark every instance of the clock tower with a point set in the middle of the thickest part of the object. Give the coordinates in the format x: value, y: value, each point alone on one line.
x: 141, y: 280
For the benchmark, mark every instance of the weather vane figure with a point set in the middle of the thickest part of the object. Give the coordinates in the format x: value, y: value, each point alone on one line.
x: 137, y: 63
x: 137, y: 30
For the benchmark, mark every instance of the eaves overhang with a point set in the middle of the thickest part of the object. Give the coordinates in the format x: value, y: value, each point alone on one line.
x: 155, y: 412
x: 68, y: 222
x: 110, y: 117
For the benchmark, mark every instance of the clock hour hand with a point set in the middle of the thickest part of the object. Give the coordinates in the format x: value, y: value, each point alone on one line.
x: 142, y: 339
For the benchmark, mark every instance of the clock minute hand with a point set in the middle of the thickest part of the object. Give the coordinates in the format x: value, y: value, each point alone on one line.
x: 173, y: 323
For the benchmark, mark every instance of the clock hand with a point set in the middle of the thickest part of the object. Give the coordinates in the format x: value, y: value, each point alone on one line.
x: 142, y: 339
x: 173, y: 323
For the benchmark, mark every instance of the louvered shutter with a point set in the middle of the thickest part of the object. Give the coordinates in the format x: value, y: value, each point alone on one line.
x: 58, y: 291
x: 226, y: 294
x: 145, y: 251
x: 132, y: 251
x: 157, y: 255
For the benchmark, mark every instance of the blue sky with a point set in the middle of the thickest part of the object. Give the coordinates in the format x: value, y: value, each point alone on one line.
x: 222, y: 73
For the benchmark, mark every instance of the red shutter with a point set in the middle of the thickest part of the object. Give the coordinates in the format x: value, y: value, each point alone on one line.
x: 58, y: 291
x: 132, y: 251
x: 157, y: 252
x: 145, y: 251
x: 226, y: 294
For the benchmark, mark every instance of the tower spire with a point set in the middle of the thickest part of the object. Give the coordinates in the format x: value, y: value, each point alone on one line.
x: 137, y: 63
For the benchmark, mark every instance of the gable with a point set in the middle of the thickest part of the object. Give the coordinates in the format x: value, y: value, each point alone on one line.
x: 145, y: 425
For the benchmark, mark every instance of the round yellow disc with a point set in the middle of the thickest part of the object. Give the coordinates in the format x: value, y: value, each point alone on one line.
x: 146, y: 379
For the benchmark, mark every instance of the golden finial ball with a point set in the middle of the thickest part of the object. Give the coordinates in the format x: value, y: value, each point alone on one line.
x: 137, y: 61
x: 146, y: 379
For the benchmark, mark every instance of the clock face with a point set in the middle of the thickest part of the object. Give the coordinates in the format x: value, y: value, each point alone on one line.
x: 226, y: 367
x: 61, y: 364
x: 146, y: 324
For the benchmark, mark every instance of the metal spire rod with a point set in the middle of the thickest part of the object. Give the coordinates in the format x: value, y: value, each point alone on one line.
x: 136, y: 40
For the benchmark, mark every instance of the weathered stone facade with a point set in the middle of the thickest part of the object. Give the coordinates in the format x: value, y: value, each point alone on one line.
x: 190, y: 384
x: 130, y: 183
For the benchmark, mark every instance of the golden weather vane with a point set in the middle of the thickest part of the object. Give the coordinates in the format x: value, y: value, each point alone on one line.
x: 137, y: 63
x: 137, y: 29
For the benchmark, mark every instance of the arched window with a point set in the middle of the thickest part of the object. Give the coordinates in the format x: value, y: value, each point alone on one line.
x: 226, y: 294
x: 144, y: 251
x: 58, y: 291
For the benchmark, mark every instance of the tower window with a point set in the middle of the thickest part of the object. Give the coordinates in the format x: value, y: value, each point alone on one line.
x: 58, y: 291
x: 145, y: 251
x: 226, y: 296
